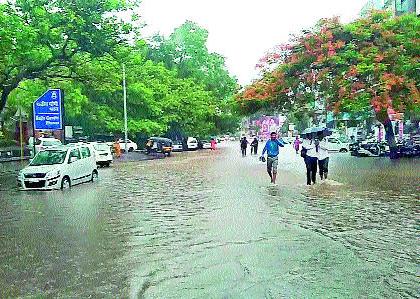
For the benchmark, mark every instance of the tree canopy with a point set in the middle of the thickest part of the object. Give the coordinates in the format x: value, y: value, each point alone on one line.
x: 80, y: 47
x: 369, y: 66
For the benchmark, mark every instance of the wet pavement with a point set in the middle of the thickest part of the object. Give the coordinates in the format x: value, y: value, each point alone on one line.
x: 209, y: 225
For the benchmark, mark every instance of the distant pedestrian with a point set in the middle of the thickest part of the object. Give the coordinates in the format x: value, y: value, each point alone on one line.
x: 309, y: 153
x: 272, y: 149
x: 213, y: 143
x: 117, y: 148
x: 323, y: 158
x: 254, y: 146
x: 296, y: 144
x: 244, y: 145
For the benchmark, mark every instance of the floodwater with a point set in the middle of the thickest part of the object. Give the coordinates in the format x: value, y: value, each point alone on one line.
x: 209, y: 225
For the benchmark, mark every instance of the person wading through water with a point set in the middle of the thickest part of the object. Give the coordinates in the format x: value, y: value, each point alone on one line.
x: 254, y: 146
x: 244, y: 145
x: 323, y: 158
x: 310, y: 149
x: 272, y: 149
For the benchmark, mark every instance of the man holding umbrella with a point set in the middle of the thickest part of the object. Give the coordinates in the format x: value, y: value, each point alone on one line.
x: 315, y: 153
x: 323, y: 154
x: 309, y: 154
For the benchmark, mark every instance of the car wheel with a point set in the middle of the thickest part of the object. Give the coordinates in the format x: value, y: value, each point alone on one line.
x: 343, y: 150
x: 65, y: 183
x: 107, y: 164
x: 95, y: 176
x: 131, y: 149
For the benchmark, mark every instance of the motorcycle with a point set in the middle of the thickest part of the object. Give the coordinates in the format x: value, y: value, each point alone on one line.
x: 408, y: 149
x: 369, y: 149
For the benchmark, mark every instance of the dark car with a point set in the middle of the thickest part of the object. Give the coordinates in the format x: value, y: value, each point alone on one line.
x: 159, y: 145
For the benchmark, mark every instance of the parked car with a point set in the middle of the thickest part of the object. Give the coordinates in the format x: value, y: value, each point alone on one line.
x: 131, y: 146
x: 159, y: 145
x: 335, y: 145
x: 103, y: 138
x: 192, y: 143
x: 59, y: 167
x: 369, y: 148
x: 205, y: 144
x: 43, y: 143
x: 177, y: 146
x: 103, y: 154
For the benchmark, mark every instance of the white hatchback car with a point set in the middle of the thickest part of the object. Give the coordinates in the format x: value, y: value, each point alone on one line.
x: 177, y: 146
x: 103, y: 154
x: 335, y: 145
x: 131, y: 146
x: 59, y: 167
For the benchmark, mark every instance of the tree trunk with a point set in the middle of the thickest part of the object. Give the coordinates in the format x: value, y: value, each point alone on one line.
x: 389, y: 134
x: 3, y: 99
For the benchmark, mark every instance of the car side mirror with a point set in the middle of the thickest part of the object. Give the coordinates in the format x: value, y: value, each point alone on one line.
x: 72, y: 159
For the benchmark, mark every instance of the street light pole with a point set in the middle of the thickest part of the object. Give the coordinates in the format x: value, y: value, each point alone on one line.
x: 125, y: 111
x: 21, y: 133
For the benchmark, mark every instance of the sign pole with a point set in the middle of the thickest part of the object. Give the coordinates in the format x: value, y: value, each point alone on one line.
x: 33, y: 129
x: 125, y: 110
x: 63, y: 115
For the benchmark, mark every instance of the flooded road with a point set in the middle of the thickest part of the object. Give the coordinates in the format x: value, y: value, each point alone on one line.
x: 209, y: 225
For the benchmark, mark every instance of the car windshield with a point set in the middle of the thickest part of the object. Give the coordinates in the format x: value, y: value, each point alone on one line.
x: 49, y: 158
x: 51, y: 142
x: 101, y: 147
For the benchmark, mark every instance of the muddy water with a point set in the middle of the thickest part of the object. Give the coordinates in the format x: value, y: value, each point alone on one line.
x: 209, y: 224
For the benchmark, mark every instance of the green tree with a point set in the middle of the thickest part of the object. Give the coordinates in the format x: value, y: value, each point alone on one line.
x: 42, y: 38
x: 370, y: 65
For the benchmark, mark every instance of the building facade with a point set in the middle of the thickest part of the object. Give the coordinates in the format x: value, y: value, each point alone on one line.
x: 399, y: 7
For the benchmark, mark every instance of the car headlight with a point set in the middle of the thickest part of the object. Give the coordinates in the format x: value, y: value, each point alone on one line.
x: 53, y: 174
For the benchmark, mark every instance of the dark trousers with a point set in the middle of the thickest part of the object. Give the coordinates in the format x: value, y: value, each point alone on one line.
x: 311, y: 168
x: 243, y: 151
x: 323, y: 168
x: 254, y: 150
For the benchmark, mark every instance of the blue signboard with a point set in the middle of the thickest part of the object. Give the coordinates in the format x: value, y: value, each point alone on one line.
x: 48, y: 114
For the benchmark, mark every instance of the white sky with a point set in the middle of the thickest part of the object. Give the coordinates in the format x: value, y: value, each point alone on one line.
x: 243, y: 30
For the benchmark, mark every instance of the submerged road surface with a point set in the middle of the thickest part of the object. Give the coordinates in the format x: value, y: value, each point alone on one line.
x: 209, y: 225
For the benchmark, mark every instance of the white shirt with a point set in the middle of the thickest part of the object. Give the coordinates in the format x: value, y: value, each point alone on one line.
x: 323, y: 150
x: 310, y: 147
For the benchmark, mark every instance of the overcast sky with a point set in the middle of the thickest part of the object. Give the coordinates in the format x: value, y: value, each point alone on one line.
x: 243, y: 30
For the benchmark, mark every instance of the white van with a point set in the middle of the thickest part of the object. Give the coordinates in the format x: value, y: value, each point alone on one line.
x: 59, y: 168
x: 192, y: 143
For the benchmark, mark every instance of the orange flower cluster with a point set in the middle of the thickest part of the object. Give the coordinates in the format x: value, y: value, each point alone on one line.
x: 392, y: 81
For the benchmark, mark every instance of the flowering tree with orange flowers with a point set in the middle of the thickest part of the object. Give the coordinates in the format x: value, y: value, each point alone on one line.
x: 370, y: 65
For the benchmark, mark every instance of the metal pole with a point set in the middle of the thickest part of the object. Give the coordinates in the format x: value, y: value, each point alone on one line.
x: 33, y: 129
x: 125, y: 111
x: 21, y: 133
x: 63, y: 116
